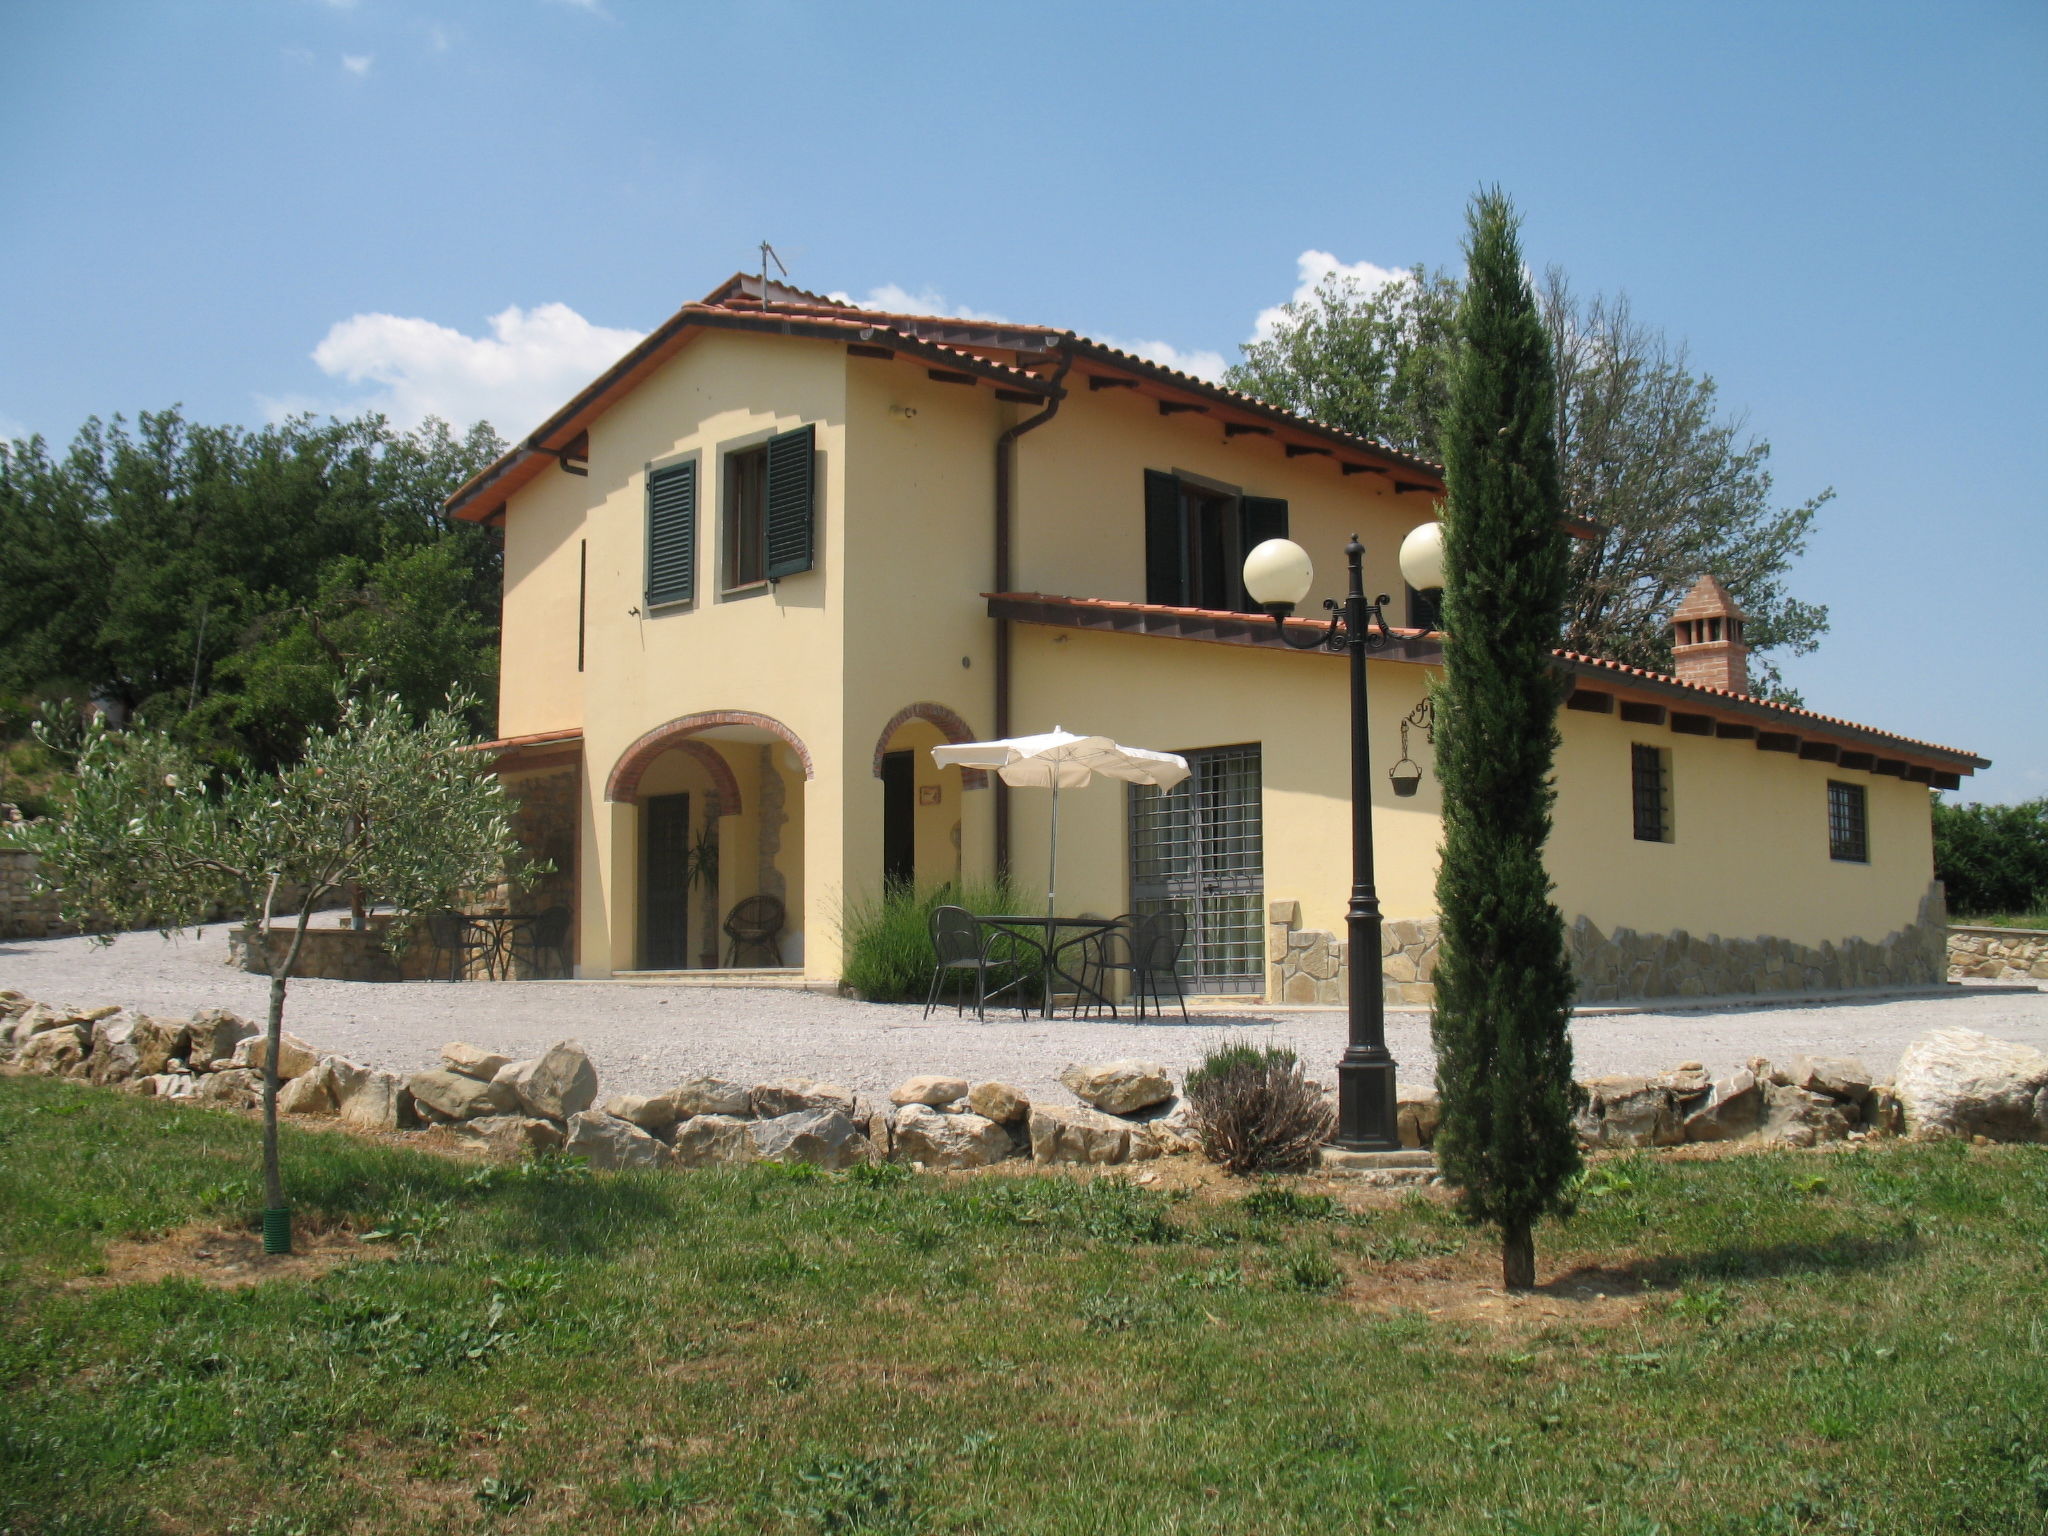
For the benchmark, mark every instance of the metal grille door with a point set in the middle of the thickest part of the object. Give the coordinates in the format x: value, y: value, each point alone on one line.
x: 1199, y: 850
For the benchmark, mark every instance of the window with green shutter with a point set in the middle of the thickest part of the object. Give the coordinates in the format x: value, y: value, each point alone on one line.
x: 1196, y: 538
x: 672, y: 534
x: 771, y: 509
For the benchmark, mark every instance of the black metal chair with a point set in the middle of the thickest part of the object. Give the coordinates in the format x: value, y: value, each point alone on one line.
x: 1146, y: 947
x: 547, y: 934
x: 461, y: 939
x: 753, y: 926
x: 967, y: 947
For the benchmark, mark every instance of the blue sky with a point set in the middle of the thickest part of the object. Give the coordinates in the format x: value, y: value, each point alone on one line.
x: 252, y: 206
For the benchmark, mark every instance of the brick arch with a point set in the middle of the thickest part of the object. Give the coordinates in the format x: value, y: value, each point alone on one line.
x: 624, y: 784
x: 950, y: 725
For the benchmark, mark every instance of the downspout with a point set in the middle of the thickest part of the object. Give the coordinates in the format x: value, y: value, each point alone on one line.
x: 1006, y: 466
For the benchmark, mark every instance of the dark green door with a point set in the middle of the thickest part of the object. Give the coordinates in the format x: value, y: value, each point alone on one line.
x: 664, y: 883
x: 899, y: 818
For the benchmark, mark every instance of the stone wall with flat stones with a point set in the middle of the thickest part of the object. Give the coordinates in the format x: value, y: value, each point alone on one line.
x: 1306, y: 965
x: 27, y: 909
x: 1997, y: 954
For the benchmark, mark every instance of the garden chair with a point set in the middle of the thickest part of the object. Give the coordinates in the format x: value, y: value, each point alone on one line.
x: 964, y: 948
x: 1147, y: 948
x: 546, y: 935
x: 461, y: 940
x: 753, y: 926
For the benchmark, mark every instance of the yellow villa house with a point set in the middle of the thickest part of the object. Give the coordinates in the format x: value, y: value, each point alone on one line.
x: 785, y: 546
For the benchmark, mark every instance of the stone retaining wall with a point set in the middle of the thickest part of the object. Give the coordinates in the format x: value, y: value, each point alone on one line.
x: 1997, y: 954
x: 1306, y: 965
x: 27, y: 910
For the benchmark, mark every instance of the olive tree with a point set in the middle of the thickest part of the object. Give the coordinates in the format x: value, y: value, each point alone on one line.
x: 398, y: 809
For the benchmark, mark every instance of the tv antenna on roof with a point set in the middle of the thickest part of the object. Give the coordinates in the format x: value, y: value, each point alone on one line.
x: 768, y: 255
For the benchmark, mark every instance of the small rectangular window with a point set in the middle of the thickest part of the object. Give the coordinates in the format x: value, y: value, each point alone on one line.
x: 671, y: 534
x: 1196, y: 538
x: 1848, y: 823
x: 1650, y: 776
x: 746, y: 517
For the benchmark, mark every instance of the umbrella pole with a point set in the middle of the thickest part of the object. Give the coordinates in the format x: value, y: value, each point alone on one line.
x: 1052, y: 865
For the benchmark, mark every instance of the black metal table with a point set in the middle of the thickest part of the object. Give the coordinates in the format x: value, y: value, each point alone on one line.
x: 1049, y: 947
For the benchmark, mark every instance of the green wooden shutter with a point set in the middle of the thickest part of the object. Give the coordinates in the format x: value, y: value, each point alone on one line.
x: 1165, y: 558
x: 792, y: 503
x: 672, y: 534
x: 1264, y: 517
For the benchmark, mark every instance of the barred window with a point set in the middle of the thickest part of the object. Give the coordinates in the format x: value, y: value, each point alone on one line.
x: 1650, y: 774
x: 1848, y: 823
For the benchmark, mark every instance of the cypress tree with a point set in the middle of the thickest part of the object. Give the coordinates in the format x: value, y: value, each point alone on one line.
x: 1503, y: 982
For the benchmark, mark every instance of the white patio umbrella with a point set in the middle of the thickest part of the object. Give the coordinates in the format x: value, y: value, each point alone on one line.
x: 1061, y: 760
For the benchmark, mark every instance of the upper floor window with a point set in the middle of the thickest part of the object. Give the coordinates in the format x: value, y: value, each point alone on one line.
x: 672, y: 533
x: 1650, y: 781
x: 770, y: 522
x: 1848, y: 822
x: 1196, y: 538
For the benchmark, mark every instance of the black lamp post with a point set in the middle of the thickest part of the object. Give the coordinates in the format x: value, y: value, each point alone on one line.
x: 1277, y: 576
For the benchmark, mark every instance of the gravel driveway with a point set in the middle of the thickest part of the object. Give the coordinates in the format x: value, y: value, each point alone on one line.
x: 644, y: 1038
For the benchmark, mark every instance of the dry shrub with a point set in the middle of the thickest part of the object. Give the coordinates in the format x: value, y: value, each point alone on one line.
x: 1254, y: 1112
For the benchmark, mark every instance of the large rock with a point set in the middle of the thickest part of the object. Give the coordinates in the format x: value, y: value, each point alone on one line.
x: 799, y: 1095
x: 1688, y: 1080
x: 236, y: 1087
x: 377, y: 1101
x: 826, y: 1137
x: 1732, y: 1111
x: 171, y: 1085
x: 653, y: 1115
x: 555, y: 1086
x: 1078, y: 1136
x: 611, y: 1143
x: 707, y: 1141
x: 923, y: 1135
x: 295, y: 1058
x: 1119, y: 1087
x: 1957, y: 1082
x: 937, y: 1092
x: 1629, y: 1112
x: 310, y: 1093
x: 448, y: 1095
x: 1164, y: 1130
x: 1801, y: 1118
x: 999, y: 1102
x: 159, y: 1042
x: 710, y: 1096
x: 1417, y: 1114
x: 116, y: 1054
x: 56, y: 1050
x: 213, y: 1035
x: 512, y: 1135
x: 473, y: 1060
x: 1839, y: 1077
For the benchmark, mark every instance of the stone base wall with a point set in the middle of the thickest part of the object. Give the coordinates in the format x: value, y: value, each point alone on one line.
x: 27, y: 909
x: 1626, y: 965
x: 1997, y: 954
x: 1306, y: 965
x: 342, y: 954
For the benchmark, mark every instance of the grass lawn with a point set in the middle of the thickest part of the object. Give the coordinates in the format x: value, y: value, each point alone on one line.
x: 1742, y: 1344
x: 2034, y: 920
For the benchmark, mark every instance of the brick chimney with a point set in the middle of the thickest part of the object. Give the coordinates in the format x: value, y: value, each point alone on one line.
x: 1707, y: 647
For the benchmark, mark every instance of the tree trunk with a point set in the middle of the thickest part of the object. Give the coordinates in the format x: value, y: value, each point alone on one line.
x: 1518, y: 1256
x: 273, y: 1176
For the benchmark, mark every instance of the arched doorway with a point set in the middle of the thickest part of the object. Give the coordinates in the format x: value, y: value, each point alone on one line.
x: 922, y: 811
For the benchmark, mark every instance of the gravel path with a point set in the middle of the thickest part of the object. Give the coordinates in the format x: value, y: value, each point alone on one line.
x: 645, y: 1038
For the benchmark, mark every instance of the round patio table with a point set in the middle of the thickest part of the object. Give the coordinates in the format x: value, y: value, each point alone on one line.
x: 1043, y: 935
x: 504, y: 928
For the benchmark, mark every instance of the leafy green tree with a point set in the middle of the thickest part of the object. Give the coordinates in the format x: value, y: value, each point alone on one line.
x: 1676, y: 488
x: 378, y: 802
x: 1503, y: 983
x: 1993, y: 859
x: 138, y: 562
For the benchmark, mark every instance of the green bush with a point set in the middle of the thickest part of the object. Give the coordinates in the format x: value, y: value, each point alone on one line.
x: 888, y: 939
x: 1993, y: 858
x: 1253, y: 1111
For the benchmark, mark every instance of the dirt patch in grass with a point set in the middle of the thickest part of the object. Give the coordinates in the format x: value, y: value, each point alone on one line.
x: 218, y: 1256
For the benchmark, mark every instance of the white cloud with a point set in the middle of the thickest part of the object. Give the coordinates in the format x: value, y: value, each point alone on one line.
x: 358, y: 64
x: 529, y: 365
x: 1312, y: 267
x: 895, y: 299
x: 1200, y: 361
